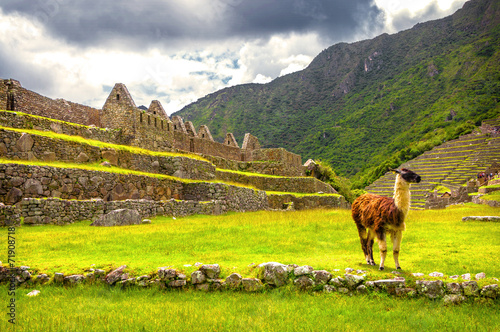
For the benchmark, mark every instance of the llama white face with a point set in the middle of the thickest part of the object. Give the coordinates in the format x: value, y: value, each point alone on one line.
x: 409, y: 176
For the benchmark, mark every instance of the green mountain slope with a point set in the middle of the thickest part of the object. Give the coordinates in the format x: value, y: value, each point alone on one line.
x: 358, y: 105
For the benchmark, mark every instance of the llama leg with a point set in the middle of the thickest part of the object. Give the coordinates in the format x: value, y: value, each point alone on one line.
x: 396, y: 246
x: 369, y: 246
x: 382, y: 245
x: 363, y: 238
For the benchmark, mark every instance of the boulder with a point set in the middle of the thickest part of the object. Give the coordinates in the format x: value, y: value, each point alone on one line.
x: 233, y: 281
x: 431, y: 288
x: 274, y: 274
x: 24, y: 143
x: 454, y: 288
x: 454, y: 299
x: 166, y: 274
x: 198, y: 277
x: 13, y: 196
x: 251, y: 284
x: 353, y: 280
x: 303, y: 270
x: 212, y: 271
x: 321, y: 277
x: 470, y: 288
x: 120, y: 217
x: 111, y: 156
x: 33, y: 187
x: 115, y: 275
x: 491, y: 291
x: 74, y: 279
x: 304, y: 283
x: 82, y: 158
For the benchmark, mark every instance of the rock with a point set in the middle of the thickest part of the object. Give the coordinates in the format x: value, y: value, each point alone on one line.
x: 252, y: 284
x: 304, y: 283
x: 480, y: 276
x: 126, y: 283
x: 198, y: 277
x: 454, y: 277
x: 454, y: 288
x: 166, y: 274
x: 389, y: 285
x: 202, y: 287
x: 321, y: 277
x: 303, y: 270
x: 453, y: 299
x: 3, y: 149
x: 42, y: 278
x: 329, y: 289
x: 343, y: 290
x: 74, y: 279
x: 470, y: 288
x: 337, y: 282
x: 431, y: 288
x: 58, y: 278
x: 120, y: 217
x: 24, y: 143
x: 361, y: 289
x: 111, y: 156
x: 82, y: 158
x: 233, y: 281
x: 49, y: 156
x: 274, y: 274
x: 466, y: 276
x: 33, y: 293
x: 408, y: 292
x: 99, y: 273
x: 349, y: 270
x: 353, y: 281
x: 33, y: 187
x: 146, y: 221
x: 177, y: 283
x: 491, y: 291
x: 13, y: 196
x: 436, y: 274
x: 212, y: 271
x: 115, y: 275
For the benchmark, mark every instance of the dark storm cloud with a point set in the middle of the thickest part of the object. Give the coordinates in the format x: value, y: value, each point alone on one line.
x: 139, y: 22
x: 405, y: 20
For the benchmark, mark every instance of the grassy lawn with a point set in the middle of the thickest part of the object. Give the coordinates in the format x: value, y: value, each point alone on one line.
x: 435, y: 240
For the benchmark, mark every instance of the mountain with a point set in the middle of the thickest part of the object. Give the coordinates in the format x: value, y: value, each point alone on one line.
x: 388, y: 98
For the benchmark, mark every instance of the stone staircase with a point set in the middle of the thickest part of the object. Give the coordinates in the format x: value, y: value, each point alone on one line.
x: 451, y: 164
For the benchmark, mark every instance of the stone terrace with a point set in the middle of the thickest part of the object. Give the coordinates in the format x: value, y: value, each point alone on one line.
x: 451, y: 164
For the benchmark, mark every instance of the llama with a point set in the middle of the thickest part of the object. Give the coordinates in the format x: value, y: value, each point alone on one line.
x: 376, y: 215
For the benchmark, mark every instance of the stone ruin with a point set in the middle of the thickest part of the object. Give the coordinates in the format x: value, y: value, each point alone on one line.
x: 151, y: 129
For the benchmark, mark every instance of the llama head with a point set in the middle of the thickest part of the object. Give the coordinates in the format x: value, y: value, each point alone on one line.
x: 408, y: 176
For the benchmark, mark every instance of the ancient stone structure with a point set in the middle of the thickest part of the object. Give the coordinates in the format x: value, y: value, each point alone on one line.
x: 151, y: 128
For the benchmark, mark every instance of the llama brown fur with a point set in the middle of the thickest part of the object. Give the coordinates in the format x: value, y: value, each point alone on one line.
x: 376, y: 215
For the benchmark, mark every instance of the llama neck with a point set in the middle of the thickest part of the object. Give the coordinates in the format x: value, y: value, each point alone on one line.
x: 402, y: 194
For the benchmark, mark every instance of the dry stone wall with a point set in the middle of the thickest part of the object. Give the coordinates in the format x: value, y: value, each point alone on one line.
x: 284, y: 184
x: 24, y: 146
x: 292, y: 202
x: 24, y: 181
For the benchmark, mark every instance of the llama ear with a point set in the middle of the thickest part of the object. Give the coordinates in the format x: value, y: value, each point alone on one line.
x: 395, y: 170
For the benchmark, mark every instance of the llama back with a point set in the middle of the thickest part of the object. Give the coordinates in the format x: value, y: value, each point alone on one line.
x: 374, y: 211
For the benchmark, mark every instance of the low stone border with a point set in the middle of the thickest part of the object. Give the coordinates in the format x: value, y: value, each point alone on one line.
x: 482, y: 218
x: 269, y: 276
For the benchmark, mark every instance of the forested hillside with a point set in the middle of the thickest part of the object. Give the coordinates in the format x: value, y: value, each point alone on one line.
x: 374, y: 102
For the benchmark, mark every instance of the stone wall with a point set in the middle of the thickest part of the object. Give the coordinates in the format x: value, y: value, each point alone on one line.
x: 259, y: 167
x: 27, y: 121
x: 24, y: 181
x: 459, y: 195
x: 37, y: 211
x: 16, y: 145
x: 292, y: 202
x: 15, y: 98
x: 291, y: 161
x: 282, y: 184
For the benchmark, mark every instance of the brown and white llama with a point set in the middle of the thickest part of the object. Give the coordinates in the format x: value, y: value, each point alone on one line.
x: 376, y: 215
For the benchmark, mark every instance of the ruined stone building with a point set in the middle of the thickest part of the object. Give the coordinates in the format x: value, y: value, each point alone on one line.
x: 151, y: 129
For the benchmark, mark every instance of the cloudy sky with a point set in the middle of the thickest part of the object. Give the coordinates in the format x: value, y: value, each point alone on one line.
x: 177, y: 51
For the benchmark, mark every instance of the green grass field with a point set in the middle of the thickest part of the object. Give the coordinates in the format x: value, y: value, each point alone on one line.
x: 435, y: 240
